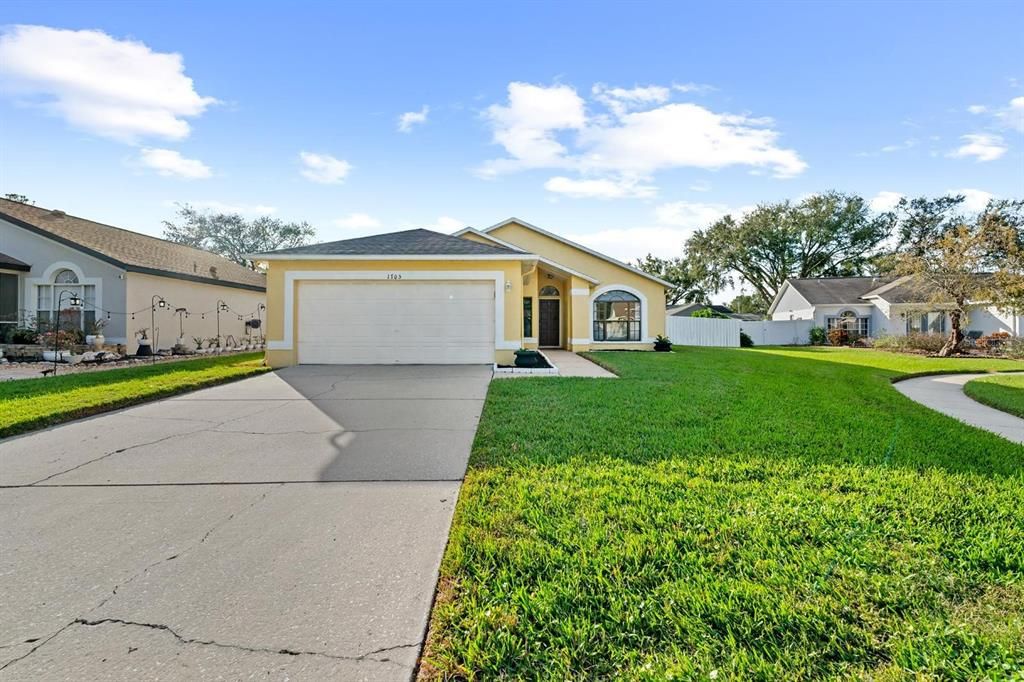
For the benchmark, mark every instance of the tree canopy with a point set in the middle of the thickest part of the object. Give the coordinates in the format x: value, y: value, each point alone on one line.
x: 955, y: 263
x: 686, y: 280
x: 825, y: 235
x: 232, y: 236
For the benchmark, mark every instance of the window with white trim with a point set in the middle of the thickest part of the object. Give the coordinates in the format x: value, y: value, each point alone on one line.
x: 851, y: 322
x: 617, y: 316
x: 49, y: 295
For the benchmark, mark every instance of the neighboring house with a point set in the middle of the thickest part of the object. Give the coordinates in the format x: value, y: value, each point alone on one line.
x: 474, y: 297
x: 116, y: 272
x: 878, y: 306
x: 688, y: 309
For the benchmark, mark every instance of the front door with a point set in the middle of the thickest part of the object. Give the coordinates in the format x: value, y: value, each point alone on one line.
x: 549, y: 323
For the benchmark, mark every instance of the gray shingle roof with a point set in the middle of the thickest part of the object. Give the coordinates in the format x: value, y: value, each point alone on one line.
x: 836, y: 290
x: 688, y: 309
x: 131, y: 250
x: 12, y: 263
x: 904, y: 290
x: 417, y: 242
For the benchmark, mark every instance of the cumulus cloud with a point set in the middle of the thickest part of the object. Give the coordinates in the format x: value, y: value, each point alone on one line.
x: 119, y: 89
x: 599, y: 188
x: 170, y: 163
x: 324, y: 168
x: 981, y: 146
x: 975, y: 200
x: 549, y: 127
x: 410, y: 119
x: 445, y: 224
x: 357, y: 221
x: 1012, y: 116
x: 695, y: 215
x: 977, y: 109
x: 628, y: 244
x: 884, y: 201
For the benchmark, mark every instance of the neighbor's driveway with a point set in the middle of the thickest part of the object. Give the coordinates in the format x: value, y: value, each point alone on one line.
x: 285, y: 526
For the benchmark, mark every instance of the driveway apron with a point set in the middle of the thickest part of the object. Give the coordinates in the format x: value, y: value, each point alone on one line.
x: 288, y: 526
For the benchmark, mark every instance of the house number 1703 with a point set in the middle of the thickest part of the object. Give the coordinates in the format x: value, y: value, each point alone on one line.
x: 394, y: 275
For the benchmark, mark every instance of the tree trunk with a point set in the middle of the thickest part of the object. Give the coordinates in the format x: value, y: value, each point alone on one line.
x: 956, y: 336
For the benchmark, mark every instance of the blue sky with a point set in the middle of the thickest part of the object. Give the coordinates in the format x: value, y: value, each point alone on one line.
x: 622, y: 125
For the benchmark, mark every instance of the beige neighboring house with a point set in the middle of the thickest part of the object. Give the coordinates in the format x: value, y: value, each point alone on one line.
x: 421, y: 297
x: 117, y: 272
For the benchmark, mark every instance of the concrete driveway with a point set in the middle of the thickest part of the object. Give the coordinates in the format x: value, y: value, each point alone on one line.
x: 288, y: 526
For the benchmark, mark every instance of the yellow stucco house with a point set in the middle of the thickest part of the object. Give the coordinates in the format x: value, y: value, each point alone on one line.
x: 421, y: 297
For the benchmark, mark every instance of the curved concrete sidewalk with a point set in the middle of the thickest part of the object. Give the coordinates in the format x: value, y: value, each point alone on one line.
x: 945, y: 393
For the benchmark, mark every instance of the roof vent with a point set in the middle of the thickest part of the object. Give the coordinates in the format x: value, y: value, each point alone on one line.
x: 213, y: 271
x: 57, y: 213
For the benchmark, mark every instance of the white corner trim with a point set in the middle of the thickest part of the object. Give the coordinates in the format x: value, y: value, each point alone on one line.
x: 293, y: 276
x: 580, y: 292
x: 644, y: 312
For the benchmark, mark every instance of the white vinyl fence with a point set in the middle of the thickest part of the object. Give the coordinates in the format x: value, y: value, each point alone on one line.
x: 704, y: 331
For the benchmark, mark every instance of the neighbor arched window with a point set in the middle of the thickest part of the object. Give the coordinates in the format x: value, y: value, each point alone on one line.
x: 548, y: 291
x: 854, y: 324
x: 48, y: 297
x: 617, y: 316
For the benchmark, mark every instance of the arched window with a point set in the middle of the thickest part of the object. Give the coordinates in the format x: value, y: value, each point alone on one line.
x: 617, y: 316
x: 549, y: 291
x: 65, y: 276
x: 853, y: 323
x: 48, y: 297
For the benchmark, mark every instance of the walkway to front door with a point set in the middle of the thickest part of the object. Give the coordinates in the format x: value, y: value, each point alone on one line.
x: 549, y: 323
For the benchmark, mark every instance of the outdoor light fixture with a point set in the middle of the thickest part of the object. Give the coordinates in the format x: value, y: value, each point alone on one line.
x: 74, y: 302
x: 156, y: 301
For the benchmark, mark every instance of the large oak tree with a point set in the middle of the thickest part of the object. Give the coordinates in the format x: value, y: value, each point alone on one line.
x: 825, y: 235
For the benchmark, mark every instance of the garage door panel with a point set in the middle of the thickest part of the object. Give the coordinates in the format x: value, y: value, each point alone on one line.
x: 436, y: 322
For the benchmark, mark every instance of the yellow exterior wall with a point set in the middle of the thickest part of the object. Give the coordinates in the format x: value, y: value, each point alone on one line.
x: 606, y: 273
x: 197, y: 297
x: 276, y: 291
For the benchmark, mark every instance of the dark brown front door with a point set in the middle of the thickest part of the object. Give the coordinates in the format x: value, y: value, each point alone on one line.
x: 549, y: 335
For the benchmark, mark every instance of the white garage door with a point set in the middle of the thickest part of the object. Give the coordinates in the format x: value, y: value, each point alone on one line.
x: 374, y: 323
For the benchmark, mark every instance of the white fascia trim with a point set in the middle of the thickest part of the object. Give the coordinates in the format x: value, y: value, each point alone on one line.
x: 293, y: 276
x: 488, y: 237
x: 566, y: 269
x: 579, y: 292
x: 462, y: 257
x: 644, y: 311
x: 573, y: 244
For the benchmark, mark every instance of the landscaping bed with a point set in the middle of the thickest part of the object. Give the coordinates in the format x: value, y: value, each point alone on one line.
x: 766, y: 513
x: 34, y: 403
x: 1003, y: 392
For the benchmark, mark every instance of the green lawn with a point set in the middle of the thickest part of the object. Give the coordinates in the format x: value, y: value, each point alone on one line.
x: 34, y: 403
x: 1003, y: 392
x: 765, y: 513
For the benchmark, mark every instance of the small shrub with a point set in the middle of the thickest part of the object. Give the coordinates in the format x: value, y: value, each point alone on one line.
x: 662, y: 343
x: 889, y: 342
x: 993, y: 341
x: 62, y: 340
x: 709, y: 313
x: 838, y: 336
x: 818, y: 336
x: 25, y: 335
x: 1014, y: 348
x: 931, y: 343
x: 745, y: 340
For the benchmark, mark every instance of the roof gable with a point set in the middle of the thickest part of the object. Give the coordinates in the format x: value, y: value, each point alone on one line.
x: 132, y: 251
x: 574, y: 245
x: 836, y: 290
x: 417, y: 242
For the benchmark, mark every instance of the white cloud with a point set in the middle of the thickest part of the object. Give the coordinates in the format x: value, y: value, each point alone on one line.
x: 599, y: 188
x: 695, y: 215
x: 645, y: 134
x: 1012, y: 116
x: 114, y: 88
x: 357, y: 221
x: 975, y: 200
x: 884, y: 201
x: 242, y: 209
x: 445, y: 224
x: 628, y: 244
x: 526, y: 127
x: 170, y: 163
x: 977, y: 109
x: 906, y: 144
x: 699, y: 88
x: 324, y: 168
x: 621, y: 100
x: 409, y: 119
x: 982, y: 146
